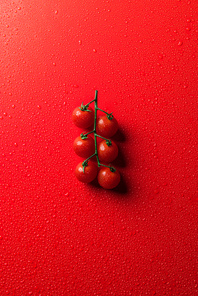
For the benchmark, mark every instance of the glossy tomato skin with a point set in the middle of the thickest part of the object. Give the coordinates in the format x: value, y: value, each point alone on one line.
x: 89, y: 174
x: 83, y: 119
x: 84, y: 147
x: 106, y: 127
x: 108, y: 179
x: 106, y: 152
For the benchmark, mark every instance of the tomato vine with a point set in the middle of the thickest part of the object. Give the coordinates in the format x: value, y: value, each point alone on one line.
x: 110, y: 117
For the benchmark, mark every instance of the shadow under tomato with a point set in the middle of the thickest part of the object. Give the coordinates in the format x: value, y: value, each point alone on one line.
x: 94, y: 183
x: 120, y: 161
x: 119, y: 136
x: 122, y: 189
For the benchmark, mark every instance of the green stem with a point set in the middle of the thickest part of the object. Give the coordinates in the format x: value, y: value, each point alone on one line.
x: 108, y: 166
x: 88, y: 158
x: 96, y: 135
x: 89, y: 103
x: 109, y: 115
x: 103, y: 111
x: 95, y: 119
x: 102, y: 137
x: 88, y: 133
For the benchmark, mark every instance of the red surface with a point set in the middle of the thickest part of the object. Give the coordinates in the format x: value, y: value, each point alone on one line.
x: 60, y: 237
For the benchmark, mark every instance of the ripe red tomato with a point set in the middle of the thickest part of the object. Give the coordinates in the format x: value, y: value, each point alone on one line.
x: 108, y: 178
x: 83, y: 118
x: 89, y: 174
x: 84, y: 147
x: 106, y: 127
x: 107, y: 151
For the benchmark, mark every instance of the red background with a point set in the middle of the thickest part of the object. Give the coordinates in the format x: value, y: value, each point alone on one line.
x: 60, y: 237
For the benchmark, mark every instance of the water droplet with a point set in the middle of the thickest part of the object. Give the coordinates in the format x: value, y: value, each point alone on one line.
x: 179, y: 43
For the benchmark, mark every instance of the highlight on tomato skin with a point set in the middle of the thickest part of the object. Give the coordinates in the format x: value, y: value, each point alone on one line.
x: 108, y: 179
x: 106, y: 127
x: 83, y: 118
x: 107, y: 151
x: 88, y: 174
x: 84, y: 147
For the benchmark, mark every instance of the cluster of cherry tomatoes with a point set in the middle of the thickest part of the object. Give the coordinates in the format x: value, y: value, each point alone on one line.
x: 87, y: 147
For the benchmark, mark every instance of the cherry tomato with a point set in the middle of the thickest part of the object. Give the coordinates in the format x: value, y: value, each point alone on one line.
x: 89, y: 173
x: 107, y: 178
x: 106, y: 127
x: 84, y: 147
x: 83, y: 118
x: 107, y: 151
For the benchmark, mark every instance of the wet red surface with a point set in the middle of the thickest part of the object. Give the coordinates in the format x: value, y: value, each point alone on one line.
x: 61, y: 237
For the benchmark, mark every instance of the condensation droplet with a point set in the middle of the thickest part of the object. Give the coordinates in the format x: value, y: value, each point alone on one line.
x: 156, y: 191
